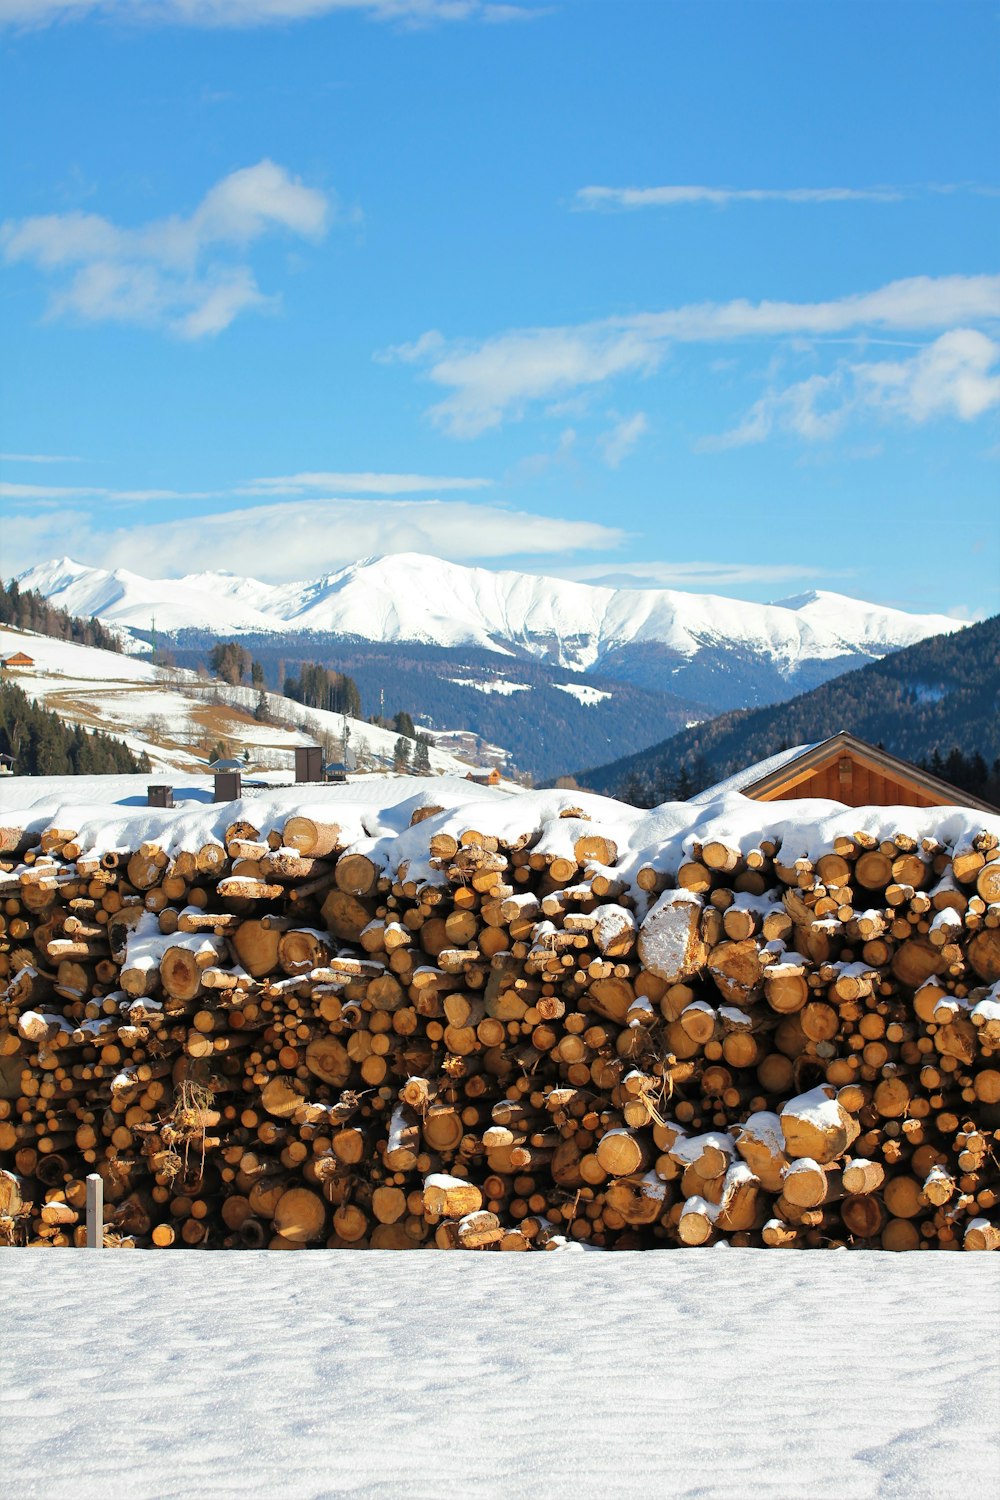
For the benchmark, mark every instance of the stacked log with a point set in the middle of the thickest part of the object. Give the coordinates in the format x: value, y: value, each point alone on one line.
x: 274, y: 1040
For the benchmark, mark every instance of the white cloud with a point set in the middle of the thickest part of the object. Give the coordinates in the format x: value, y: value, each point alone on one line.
x: 610, y: 198
x: 39, y: 458
x: 951, y: 377
x: 171, y: 273
x: 302, y: 538
x: 364, y: 484
x: 269, y: 488
x: 617, y: 444
x: 691, y: 575
x: 501, y: 376
x: 247, y: 13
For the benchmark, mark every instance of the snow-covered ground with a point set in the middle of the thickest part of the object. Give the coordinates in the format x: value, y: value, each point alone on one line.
x: 701, y: 1373
x: 175, y: 715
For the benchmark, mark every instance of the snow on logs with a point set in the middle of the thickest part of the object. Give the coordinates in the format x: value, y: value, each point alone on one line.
x: 511, y: 1041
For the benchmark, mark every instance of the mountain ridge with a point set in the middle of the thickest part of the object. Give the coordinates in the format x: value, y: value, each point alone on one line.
x: 409, y: 597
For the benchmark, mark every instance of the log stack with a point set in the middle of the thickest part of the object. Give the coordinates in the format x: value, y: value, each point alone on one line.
x: 276, y: 1039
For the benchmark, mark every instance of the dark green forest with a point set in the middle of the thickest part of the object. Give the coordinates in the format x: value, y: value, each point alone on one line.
x: 29, y: 611
x: 934, y: 703
x: 42, y: 745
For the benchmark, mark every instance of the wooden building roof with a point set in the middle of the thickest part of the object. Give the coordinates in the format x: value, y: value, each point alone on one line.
x: 845, y: 769
x: 17, y: 659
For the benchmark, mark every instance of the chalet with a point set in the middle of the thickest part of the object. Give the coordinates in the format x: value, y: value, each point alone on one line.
x: 485, y: 778
x: 843, y: 769
x: 17, y: 659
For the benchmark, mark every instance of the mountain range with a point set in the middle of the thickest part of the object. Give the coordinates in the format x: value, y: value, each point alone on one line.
x: 561, y: 672
x: 919, y: 703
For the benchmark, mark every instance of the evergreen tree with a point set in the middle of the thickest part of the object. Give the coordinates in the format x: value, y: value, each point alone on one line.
x: 401, y: 755
x: 42, y: 745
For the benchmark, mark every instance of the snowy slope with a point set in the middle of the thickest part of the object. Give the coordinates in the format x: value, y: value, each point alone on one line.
x: 413, y: 598
x: 176, y: 715
x: 701, y: 1373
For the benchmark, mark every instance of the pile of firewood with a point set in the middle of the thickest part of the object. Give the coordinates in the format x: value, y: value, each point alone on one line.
x: 273, y: 1041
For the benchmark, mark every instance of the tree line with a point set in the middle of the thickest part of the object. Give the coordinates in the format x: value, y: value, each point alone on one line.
x: 42, y: 745
x: 28, y: 610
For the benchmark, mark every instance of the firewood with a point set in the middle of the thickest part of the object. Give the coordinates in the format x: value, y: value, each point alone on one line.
x: 510, y: 1029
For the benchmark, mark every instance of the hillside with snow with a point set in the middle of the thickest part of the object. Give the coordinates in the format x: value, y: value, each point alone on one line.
x: 177, y: 717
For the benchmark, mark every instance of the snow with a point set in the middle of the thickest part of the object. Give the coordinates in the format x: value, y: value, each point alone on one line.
x: 582, y: 692
x: 492, y: 685
x: 751, y: 774
x: 109, y: 812
x: 782, y: 1375
x: 412, y: 597
x: 170, y: 712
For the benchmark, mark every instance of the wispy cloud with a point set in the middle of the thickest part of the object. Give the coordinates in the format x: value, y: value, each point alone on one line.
x: 952, y: 377
x: 244, y: 14
x: 362, y: 484
x: 692, y: 575
x: 620, y: 441
x: 176, y: 273
x: 39, y: 458
x: 24, y: 493
x: 499, y: 378
x: 264, y: 489
x: 303, y: 538
x: 617, y: 199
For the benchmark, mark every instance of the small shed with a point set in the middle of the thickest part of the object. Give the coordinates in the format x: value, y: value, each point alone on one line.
x: 844, y: 769
x: 15, y: 660
x: 485, y: 778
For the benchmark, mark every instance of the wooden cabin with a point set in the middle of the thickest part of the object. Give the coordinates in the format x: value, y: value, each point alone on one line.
x: 15, y: 660
x: 485, y: 778
x: 844, y: 769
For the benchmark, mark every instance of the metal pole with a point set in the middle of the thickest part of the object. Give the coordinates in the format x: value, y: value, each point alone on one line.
x: 95, y: 1212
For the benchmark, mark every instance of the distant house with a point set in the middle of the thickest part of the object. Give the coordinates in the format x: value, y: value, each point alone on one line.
x: 338, y: 770
x: 485, y: 778
x: 15, y: 660
x: 6, y: 764
x: 843, y: 769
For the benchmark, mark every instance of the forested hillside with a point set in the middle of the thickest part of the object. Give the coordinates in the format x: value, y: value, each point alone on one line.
x: 42, y: 745
x: 549, y: 719
x: 919, y: 703
x: 30, y: 611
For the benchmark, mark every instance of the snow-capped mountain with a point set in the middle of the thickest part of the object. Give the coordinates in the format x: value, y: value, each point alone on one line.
x: 578, y: 627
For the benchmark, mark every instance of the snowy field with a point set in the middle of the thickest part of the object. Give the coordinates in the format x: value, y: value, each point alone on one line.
x: 702, y: 1373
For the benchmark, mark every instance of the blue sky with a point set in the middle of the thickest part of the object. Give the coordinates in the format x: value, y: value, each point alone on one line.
x: 700, y: 295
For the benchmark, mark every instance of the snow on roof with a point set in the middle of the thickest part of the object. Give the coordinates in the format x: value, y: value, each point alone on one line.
x: 752, y: 774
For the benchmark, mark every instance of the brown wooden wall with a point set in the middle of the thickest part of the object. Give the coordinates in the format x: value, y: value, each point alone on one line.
x: 854, y: 784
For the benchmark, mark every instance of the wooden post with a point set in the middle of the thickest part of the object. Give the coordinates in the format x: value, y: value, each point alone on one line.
x: 95, y: 1212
